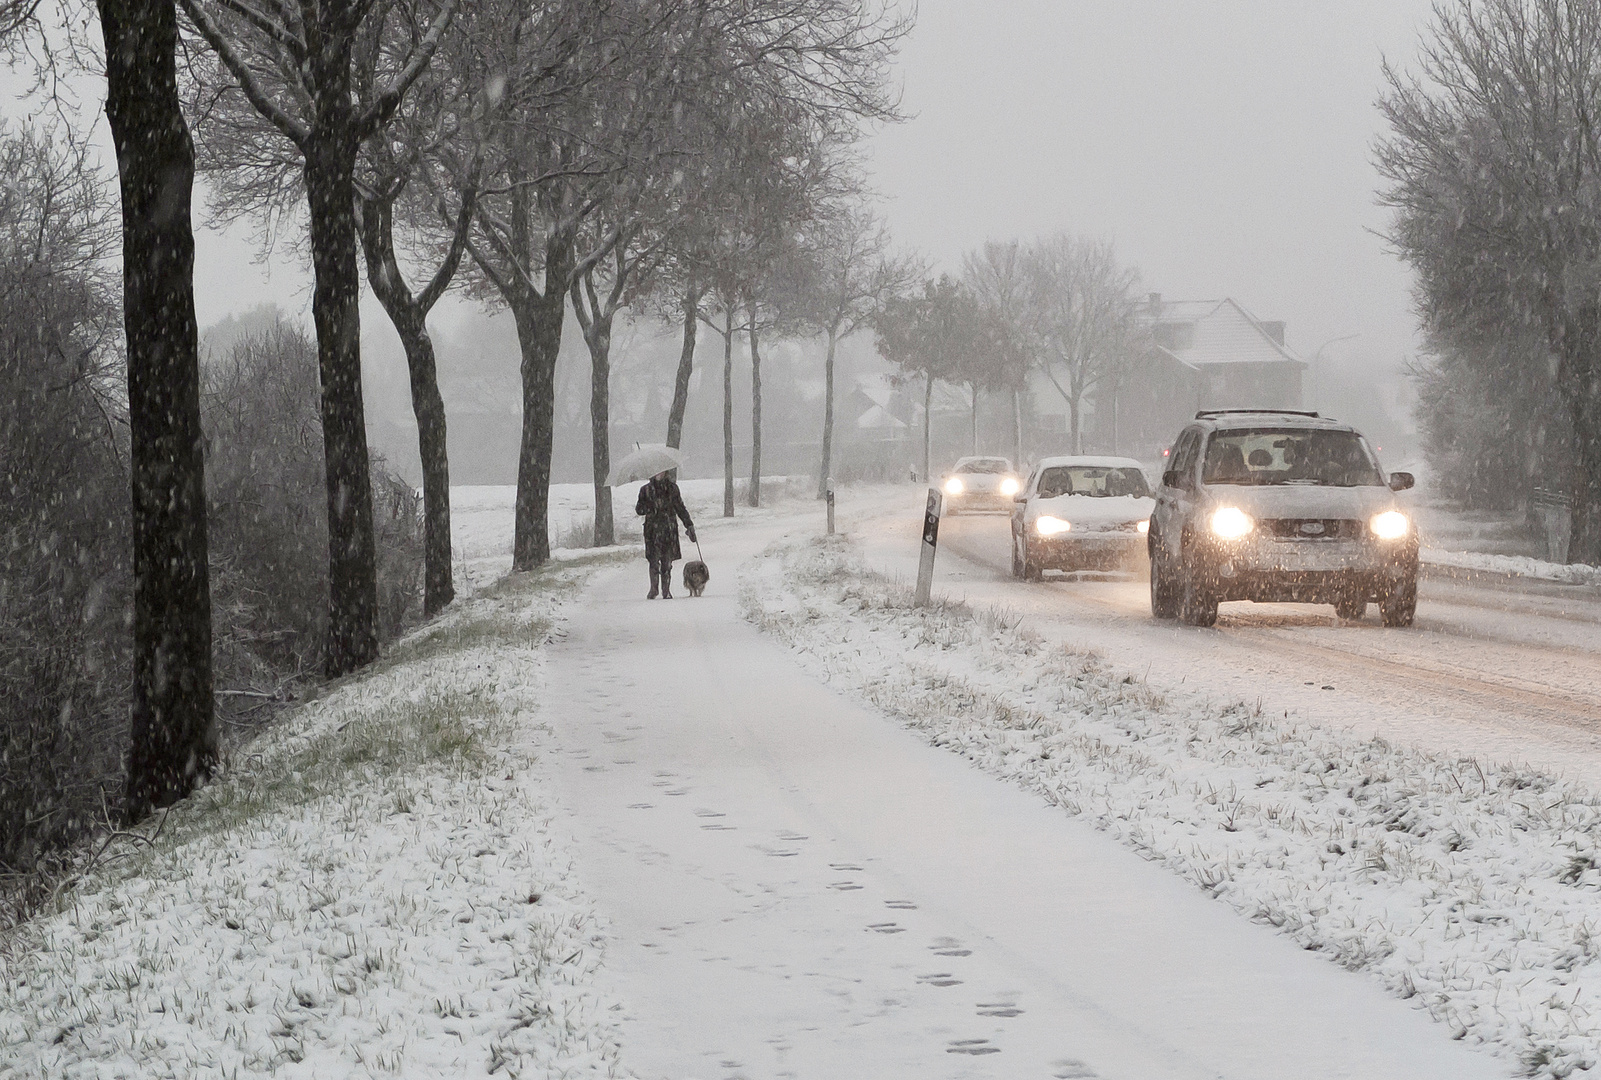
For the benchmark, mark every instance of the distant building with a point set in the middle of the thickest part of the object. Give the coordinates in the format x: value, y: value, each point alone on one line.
x: 1204, y: 354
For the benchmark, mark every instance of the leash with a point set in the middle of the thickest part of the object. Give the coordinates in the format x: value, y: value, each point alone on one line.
x: 697, y: 551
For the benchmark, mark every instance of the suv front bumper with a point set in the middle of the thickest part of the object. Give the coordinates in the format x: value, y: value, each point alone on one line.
x: 1306, y: 571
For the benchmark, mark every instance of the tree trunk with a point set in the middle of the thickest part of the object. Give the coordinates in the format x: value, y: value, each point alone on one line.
x: 754, y: 495
x: 828, y: 415
x: 1114, y: 421
x: 410, y: 320
x: 599, y: 340
x: 728, y: 415
x: 928, y: 420
x: 173, y: 743
x: 1072, y: 413
x: 539, y: 320
x: 1017, y: 428
x: 1577, y: 377
x: 352, y: 562
x: 686, y: 368
x: 974, y: 439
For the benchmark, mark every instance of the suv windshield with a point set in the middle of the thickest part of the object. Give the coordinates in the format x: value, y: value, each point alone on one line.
x: 1290, y: 456
x: 984, y: 465
x: 1091, y: 480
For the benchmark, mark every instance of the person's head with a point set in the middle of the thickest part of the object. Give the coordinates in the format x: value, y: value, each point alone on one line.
x: 661, y: 475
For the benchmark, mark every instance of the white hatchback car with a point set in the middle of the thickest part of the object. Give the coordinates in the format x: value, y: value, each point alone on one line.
x: 980, y: 483
x: 1080, y: 513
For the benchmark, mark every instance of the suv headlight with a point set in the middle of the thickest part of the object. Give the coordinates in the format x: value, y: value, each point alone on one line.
x: 1390, y: 525
x: 1010, y: 486
x: 953, y: 486
x: 1046, y: 525
x: 1231, y: 523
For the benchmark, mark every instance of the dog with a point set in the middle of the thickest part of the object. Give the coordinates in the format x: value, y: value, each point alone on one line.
x: 696, y: 576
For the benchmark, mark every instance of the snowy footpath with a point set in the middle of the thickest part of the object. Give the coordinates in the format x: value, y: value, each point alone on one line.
x: 796, y: 885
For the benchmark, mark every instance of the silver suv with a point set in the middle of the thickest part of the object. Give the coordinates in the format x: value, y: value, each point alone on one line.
x: 1271, y: 505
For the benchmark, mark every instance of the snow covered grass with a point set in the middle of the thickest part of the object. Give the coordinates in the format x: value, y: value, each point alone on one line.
x: 1471, y: 888
x: 372, y: 888
x: 1515, y: 565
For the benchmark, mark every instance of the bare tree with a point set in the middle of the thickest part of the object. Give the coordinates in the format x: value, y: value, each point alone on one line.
x: 854, y: 278
x: 598, y: 294
x: 174, y: 738
x: 929, y: 336
x: 297, y: 67
x: 997, y: 274
x: 1494, y: 170
x: 1087, y: 318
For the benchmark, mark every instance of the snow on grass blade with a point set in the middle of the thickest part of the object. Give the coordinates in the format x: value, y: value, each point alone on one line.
x: 1472, y: 888
x: 372, y: 889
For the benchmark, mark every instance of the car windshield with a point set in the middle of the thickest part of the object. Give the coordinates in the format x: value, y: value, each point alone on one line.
x: 1092, y: 480
x: 984, y: 465
x: 1290, y: 456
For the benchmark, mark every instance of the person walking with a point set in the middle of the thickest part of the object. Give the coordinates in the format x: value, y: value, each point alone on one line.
x: 661, y: 505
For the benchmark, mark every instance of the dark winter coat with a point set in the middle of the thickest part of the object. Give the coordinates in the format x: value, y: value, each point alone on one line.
x: 662, y: 507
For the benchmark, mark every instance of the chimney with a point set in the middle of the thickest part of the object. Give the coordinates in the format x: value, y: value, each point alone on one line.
x: 1274, y: 330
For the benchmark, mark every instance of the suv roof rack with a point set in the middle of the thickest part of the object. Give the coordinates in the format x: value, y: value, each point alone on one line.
x: 1204, y: 413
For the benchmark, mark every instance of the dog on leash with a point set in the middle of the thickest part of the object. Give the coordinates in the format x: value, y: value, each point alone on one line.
x: 696, y: 576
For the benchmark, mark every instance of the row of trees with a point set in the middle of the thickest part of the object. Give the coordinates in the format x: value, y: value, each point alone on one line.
x: 1493, y: 164
x: 603, y: 153
x: 1062, y: 306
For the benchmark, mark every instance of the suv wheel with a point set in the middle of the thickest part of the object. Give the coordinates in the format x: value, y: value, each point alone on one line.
x: 1164, y: 594
x: 1197, y: 601
x: 1351, y: 608
x: 1031, y: 569
x: 1400, y: 604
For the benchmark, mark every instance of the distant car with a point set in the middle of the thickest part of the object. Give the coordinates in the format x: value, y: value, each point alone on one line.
x: 980, y: 483
x: 1271, y: 505
x: 1080, y: 513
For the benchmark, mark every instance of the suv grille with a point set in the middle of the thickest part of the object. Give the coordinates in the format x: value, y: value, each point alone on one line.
x: 1313, y: 528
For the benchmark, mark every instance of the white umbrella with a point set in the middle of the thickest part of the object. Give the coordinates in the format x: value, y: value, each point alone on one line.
x: 643, y: 463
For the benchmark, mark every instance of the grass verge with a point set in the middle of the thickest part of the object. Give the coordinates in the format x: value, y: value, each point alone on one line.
x: 369, y: 887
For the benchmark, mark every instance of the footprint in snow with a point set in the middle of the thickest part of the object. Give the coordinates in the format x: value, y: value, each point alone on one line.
x: 703, y: 812
x: 939, y: 978
x: 900, y: 905
x: 719, y: 827
x: 1072, y: 1069
x: 999, y: 1008
x: 886, y: 928
x: 639, y: 806
x: 971, y: 1046
x: 949, y: 947
x: 845, y: 886
x: 844, y: 866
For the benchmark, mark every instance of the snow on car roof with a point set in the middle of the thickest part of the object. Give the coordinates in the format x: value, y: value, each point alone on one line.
x: 1090, y: 462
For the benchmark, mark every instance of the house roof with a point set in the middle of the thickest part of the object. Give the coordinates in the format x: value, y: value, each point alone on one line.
x: 1224, y: 333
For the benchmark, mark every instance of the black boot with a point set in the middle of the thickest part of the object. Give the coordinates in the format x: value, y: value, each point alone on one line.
x: 667, y: 581
x: 652, y: 594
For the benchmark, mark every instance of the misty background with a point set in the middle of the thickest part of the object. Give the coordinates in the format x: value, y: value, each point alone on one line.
x: 1226, y: 150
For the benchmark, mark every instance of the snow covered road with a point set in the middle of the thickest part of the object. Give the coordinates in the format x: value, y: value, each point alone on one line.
x: 1505, y: 674
x: 797, y: 886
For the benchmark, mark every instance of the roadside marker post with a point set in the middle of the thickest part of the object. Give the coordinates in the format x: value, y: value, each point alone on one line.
x: 925, y: 567
x: 830, y: 506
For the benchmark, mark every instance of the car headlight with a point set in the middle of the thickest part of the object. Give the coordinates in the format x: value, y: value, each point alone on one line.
x: 1231, y: 523
x: 1010, y: 486
x: 1143, y: 526
x: 953, y: 486
x: 1390, y: 525
x: 1046, y: 525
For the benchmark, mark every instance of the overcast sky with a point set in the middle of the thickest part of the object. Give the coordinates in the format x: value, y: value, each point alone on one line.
x: 1224, y: 146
